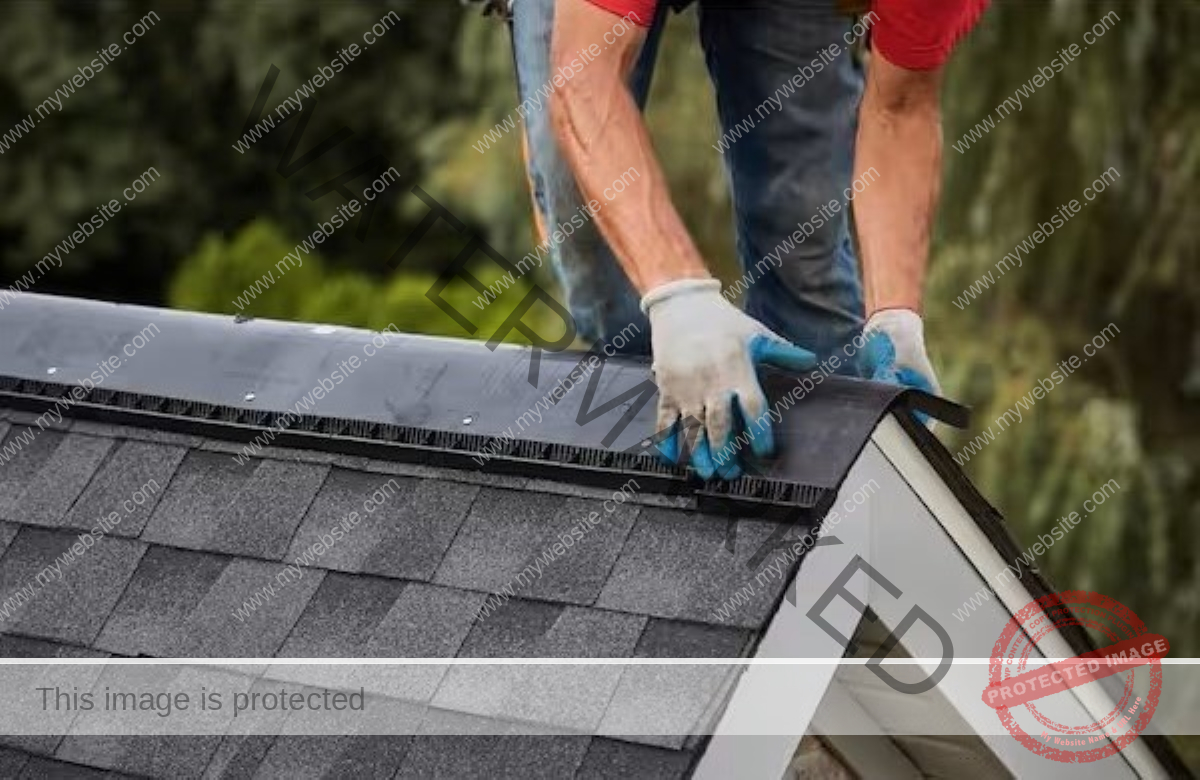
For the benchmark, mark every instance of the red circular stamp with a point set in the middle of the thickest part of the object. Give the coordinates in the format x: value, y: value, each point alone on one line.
x: 1041, y: 704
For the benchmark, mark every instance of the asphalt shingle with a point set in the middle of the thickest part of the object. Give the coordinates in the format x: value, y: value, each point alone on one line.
x: 384, y: 619
x: 8, y: 532
x: 434, y: 755
x: 392, y: 526
x: 237, y: 757
x: 320, y: 757
x: 216, y: 504
x: 269, y: 508
x: 69, y: 603
x: 63, y: 476
x: 26, y: 450
x: 175, y: 756
x: 341, y: 617
x: 676, y: 639
x: 677, y: 565
x: 572, y: 696
x: 425, y: 622
x: 136, y: 472
x: 411, y: 578
x: 135, y: 433
x: 201, y: 492
x: 27, y: 647
x: 48, y: 769
x: 214, y: 630
x: 610, y: 759
x: 152, y: 615
x: 539, y: 545
x: 12, y: 762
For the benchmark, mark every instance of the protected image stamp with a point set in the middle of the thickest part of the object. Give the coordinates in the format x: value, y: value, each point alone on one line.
x: 1039, y: 704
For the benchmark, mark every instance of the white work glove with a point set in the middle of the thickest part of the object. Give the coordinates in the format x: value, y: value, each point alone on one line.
x: 895, y: 351
x: 705, y: 353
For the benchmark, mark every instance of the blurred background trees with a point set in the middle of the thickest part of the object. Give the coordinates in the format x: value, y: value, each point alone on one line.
x: 218, y: 220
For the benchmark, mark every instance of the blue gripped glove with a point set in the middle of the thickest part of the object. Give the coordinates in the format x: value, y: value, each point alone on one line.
x: 705, y: 354
x: 895, y: 352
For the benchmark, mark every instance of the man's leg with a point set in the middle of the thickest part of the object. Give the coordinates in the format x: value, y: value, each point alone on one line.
x: 599, y: 295
x: 791, y: 168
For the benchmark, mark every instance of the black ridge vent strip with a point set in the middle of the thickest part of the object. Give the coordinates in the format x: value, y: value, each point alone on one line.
x: 385, y: 441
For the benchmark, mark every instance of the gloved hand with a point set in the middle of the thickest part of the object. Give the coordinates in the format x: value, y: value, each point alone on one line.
x: 895, y: 351
x: 705, y: 353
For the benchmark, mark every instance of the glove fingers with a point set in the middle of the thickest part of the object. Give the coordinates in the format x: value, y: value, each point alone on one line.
x: 668, y: 421
x: 758, y: 424
x: 718, y: 421
x: 770, y: 349
x: 701, y: 455
x: 693, y: 442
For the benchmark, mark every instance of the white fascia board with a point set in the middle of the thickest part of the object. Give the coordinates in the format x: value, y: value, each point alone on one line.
x: 918, y: 534
x: 912, y: 466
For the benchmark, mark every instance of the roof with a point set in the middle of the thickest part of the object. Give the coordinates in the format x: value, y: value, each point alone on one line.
x: 418, y: 576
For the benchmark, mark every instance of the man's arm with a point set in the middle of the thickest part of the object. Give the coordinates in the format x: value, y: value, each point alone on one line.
x: 899, y: 157
x: 705, y: 350
x: 602, y: 135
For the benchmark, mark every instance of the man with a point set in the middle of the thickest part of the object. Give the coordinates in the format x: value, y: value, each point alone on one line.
x: 791, y: 170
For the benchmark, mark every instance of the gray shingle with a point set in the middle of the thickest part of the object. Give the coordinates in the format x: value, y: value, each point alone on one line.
x: 26, y: 647
x: 52, y: 420
x: 341, y: 617
x: 320, y: 757
x: 73, y: 607
x: 12, y: 762
x: 237, y: 757
x: 565, y: 697
x: 49, y: 769
x: 405, y: 535
x: 134, y: 433
x: 214, y: 631
x: 152, y: 615
x: 203, y: 489
x: 423, y: 471
x: 371, y: 617
x: 269, y: 508
x: 676, y: 565
x: 425, y: 622
x: 134, y: 465
x: 174, y: 756
x: 8, y: 532
x: 610, y: 759
x: 63, y: 476
x: 493, y: 757
x: 214, y: 503
x: 539, y: 545
x: 531, y: 629
x: 675, y: 639
x: 505, y: 528
x: 25, y: 451
x: 641, y: 497
x: 417, y: 536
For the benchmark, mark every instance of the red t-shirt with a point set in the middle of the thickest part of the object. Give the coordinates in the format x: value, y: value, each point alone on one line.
x: 912, y: 34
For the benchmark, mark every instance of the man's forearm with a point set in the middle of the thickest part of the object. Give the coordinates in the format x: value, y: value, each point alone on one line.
x: 602, y: 135
x: 899, y: 147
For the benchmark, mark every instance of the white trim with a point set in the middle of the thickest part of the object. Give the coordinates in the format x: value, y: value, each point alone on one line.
x: 948, y: 511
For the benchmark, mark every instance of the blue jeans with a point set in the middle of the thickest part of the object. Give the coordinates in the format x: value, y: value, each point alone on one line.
x: 784, y: 172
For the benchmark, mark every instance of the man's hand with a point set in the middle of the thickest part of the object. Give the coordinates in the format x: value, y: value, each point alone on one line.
x: 705, y: 353
x: 895, y: 351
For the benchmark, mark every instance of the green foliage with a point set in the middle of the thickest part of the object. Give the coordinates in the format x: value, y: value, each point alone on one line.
x: 177, y: 100
x: 220, y: 271
x: 1130, y: 101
